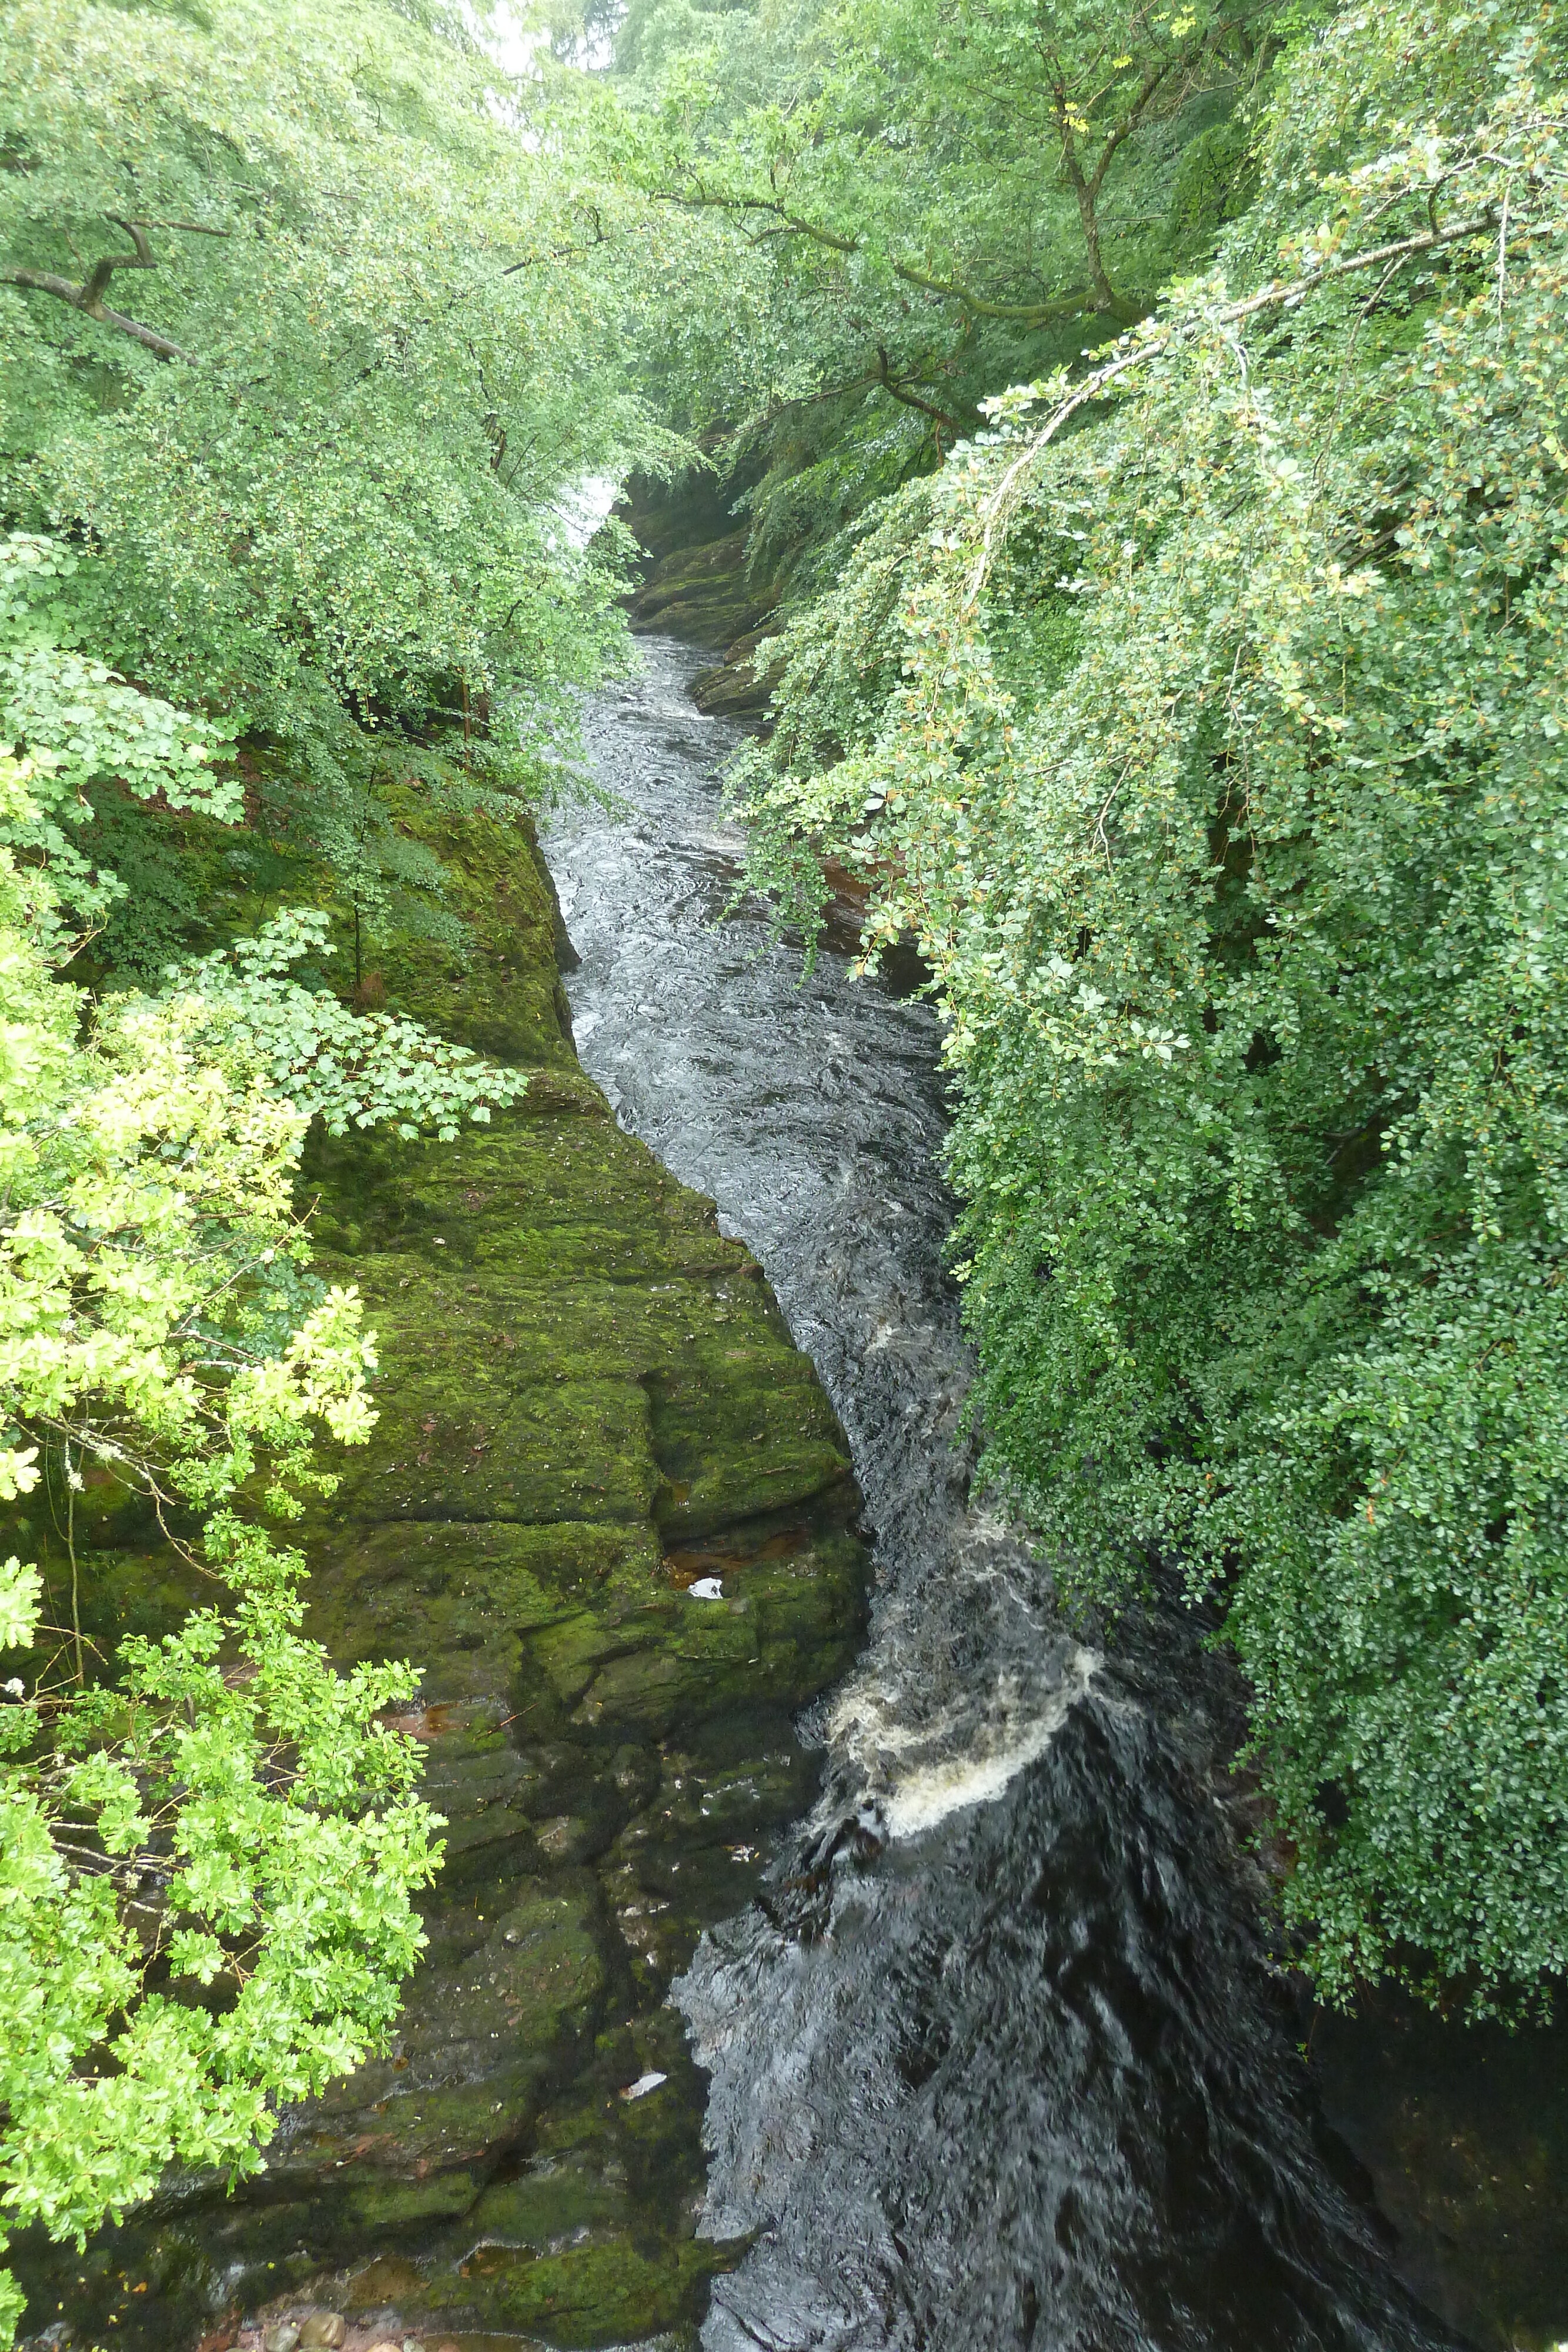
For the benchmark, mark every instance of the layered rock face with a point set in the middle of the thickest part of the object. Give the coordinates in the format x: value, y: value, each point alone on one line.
x: 609, y: 1508
x: 700, y: 589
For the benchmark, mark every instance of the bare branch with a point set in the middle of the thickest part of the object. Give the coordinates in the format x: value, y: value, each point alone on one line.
x: 186, y: 228
x: 96, y: 285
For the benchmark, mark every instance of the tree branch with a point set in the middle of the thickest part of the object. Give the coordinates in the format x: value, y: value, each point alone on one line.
x: 1135, y: 114
x: 1086, y: 186
x: 87, y: 298
x: 1273, y: 296
x: 97, y: 285
x: 563, y: 252
x: 900, y: 391
x: 1028, y: 314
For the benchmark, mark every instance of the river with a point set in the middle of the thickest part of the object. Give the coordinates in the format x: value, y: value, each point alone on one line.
x: 998, y: 2058
x: 990, y: 2047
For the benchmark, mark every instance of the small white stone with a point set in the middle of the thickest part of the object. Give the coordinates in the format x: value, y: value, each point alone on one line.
x: 707, y: 1588
x: 643, y: 2086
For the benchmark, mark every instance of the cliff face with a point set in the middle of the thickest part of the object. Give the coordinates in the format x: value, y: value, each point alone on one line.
x: 699, y: 589
x: 609, y: 1508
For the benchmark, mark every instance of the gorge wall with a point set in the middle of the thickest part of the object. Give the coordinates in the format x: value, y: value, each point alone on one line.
x: 608, y: 1506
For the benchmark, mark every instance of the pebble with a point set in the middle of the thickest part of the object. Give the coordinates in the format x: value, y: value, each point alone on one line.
x: 323, y: 2332
x: 282, y: 2338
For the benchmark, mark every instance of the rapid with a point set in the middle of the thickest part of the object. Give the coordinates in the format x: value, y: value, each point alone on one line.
x: 1000, y: 2057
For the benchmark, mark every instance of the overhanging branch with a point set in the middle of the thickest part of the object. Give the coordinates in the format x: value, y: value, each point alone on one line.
x: 1274, y: 296
x: 87, y: 298
x: 1023, y: 314
x: 898, y: 388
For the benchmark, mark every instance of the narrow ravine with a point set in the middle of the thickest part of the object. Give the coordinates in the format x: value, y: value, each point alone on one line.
x: 996, y: 2058
x: 956, y: 1922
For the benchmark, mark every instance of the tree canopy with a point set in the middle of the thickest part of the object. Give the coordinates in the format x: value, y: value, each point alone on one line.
x: 1202, y: 717
x: 309, y: 345
x: 318, y: 442
x: 894, y: 210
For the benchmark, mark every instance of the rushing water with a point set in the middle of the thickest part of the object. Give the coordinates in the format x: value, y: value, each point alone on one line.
x: 998, y: 2060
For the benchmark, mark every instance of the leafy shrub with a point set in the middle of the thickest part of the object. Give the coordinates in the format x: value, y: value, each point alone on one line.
x: 1205, y: 720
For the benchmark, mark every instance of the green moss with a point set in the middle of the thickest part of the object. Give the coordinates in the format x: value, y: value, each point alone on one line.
x: 533, y: 2215
x: 587, y: 1400
x: 591, y: 2295
x: 393, y: 2204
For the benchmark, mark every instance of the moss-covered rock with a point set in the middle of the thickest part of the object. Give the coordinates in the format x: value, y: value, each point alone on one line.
x: 572, y: 2297
x: 742, y: 685
x: 706, y: 594
x: 699, y: 585
x: 591, y: 1417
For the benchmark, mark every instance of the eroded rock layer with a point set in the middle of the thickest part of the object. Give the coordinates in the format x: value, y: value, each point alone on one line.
x: 702, y: 588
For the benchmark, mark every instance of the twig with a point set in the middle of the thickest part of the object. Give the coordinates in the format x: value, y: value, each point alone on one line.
x: 72, y: 1548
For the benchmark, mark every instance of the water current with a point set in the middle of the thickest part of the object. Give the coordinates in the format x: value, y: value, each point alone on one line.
x: 998, y: 2060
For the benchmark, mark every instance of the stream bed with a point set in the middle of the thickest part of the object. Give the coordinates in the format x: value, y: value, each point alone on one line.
x: 997, y: 2055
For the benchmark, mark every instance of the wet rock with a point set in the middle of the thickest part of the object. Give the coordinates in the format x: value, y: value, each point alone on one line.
x: 700, y: 587
x: 413, y: 2138
x: 578, y: 2295
x: 588, y: 1396
x: 706, y: 594
x: 742, y: 686
x: 324, y: 2331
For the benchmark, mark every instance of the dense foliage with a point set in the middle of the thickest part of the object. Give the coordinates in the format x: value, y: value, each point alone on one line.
x: 206, y: 1861
x: 1197, y: 700
x: 309, y: 346
x: 302, y: 345
x: 1205, y: 719
x: 895, y: 208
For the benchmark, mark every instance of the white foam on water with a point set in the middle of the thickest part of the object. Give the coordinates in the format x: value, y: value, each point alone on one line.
x: 933, y: 1791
